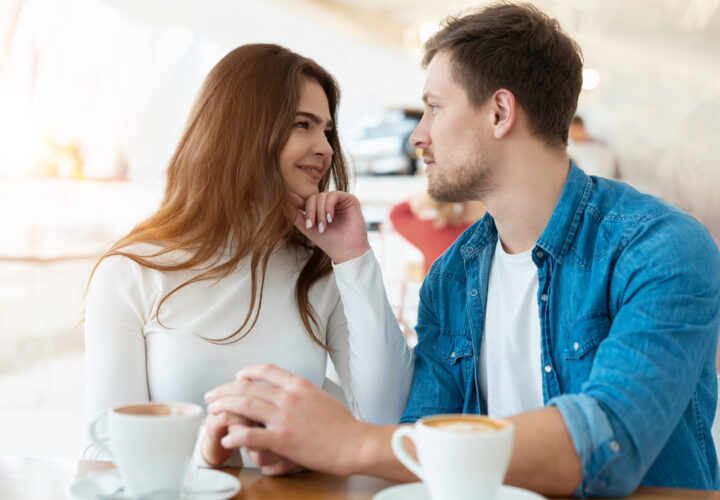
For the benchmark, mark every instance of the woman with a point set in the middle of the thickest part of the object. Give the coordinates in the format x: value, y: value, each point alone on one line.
x: 219, y: 278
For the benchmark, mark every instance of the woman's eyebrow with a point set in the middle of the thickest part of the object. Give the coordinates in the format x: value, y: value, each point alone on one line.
x: 314, y: 118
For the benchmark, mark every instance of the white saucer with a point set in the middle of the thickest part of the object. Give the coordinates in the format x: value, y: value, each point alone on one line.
x: 418, y: 491
x: 102, y: 484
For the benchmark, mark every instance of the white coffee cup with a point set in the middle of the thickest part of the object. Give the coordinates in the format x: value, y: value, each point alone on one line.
x: 459, y: 456
x: 150, y: 443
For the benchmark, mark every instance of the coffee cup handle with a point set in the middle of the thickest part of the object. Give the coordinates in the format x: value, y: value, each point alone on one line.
x: 99, y: 420
x: 402, y: 454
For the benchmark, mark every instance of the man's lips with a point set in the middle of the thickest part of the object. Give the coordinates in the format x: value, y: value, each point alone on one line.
x: 312, y: 170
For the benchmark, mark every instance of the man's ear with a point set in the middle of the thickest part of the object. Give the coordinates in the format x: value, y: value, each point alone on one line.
x: 502, y: 109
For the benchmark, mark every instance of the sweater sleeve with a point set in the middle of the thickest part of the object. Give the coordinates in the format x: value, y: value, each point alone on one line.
x: 115, y: 365
x: 377, y: 362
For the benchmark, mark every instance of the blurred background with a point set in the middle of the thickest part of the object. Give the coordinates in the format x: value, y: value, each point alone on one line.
x: 94, y: 95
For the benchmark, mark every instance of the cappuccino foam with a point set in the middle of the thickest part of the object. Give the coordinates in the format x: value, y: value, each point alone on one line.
x: 465, y: 425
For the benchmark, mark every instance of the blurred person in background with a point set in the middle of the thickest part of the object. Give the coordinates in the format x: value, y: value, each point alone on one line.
x: 432, y: 226
x: 593, y: 156
x: 219, y: 277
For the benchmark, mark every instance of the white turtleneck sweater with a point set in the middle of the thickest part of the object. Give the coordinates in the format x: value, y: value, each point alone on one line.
x: 131, y: 357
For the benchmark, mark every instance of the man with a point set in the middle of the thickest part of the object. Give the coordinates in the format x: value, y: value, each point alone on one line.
x: 595, y: 157
x: 580, y: 308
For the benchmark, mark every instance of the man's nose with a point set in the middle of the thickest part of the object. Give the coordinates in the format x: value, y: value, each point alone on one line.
x: 420, y: 137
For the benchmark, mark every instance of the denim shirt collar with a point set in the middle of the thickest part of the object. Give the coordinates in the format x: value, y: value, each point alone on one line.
x: 559, y: 232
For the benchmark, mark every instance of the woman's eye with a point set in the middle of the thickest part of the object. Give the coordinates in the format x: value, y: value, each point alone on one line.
x: 302, y: 125
x: 328, y: 134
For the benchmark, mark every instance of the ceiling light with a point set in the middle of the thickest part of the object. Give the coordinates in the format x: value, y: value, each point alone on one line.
x: 591, y: 78
x: 427, y: 30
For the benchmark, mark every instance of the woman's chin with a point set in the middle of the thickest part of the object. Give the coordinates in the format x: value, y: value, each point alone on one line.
x: 306, y: 191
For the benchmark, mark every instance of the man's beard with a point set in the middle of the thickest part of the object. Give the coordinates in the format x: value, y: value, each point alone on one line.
x: 468, y: 182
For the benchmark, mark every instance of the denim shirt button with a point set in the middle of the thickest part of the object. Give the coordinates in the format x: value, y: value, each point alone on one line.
x: 544, y: 297
x: 452, y: 354
x: 576, y: 346
x: 468, y: 250
x: 548, y: 368
x: 614, y: 446
x: 473, y: 292
x: 539, y: 254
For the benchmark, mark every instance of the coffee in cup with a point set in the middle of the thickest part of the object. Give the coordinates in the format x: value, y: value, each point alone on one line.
x: 150, y: 443
x: 466, y: 424
x: 459, y: 456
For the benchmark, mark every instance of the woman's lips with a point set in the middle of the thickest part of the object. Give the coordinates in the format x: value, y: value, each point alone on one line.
x: 315, y: 172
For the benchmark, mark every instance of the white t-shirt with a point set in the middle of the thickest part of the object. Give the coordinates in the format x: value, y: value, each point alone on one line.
x: 510, y: 376
x: 131, y: 357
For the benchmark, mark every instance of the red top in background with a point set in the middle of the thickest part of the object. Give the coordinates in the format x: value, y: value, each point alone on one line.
x: 431, y: 241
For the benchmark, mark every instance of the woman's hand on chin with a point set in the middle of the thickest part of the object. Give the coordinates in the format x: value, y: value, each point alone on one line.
x: 334, y: 222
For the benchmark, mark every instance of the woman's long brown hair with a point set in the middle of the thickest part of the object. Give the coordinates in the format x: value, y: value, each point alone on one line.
x: 225, y: 191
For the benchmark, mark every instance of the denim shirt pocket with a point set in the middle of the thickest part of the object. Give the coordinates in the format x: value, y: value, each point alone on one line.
x: 587, y: 334
x: 453, y: 345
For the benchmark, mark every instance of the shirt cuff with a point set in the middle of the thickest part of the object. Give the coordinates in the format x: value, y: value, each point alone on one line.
x: 593, y: 438
x: 353, y: 267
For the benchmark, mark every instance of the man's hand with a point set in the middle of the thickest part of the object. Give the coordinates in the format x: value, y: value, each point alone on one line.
x: 298, y: 420
x: 334, y: 222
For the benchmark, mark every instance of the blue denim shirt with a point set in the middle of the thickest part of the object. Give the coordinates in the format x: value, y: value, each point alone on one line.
x: 629, y: 302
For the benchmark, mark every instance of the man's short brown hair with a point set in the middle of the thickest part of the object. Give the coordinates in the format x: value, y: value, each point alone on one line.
x: 519, y: 48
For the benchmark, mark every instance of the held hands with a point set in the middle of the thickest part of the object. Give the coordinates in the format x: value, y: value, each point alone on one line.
x: 334, y: 222
x: 214, y: 453
x: 298, y: 420
x: 216, y: 428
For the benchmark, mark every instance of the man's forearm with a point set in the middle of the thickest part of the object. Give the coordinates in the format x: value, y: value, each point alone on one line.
x: 543, y: 459
x: 375, y: 456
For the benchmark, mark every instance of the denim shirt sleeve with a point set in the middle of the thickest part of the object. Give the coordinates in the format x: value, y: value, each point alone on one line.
x: 434, y: 388
x: 666, y: 287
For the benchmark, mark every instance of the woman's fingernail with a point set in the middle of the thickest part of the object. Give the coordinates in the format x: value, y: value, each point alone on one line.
x: 308, y: 223
x: 320, y: 227
x: 329, y: 218
x: 212, y: 407
x: 209, y: 395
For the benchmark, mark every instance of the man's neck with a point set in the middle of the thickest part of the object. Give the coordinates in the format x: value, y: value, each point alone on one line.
x: 525, y: 191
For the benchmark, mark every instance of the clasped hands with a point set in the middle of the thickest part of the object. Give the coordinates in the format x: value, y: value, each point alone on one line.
x: 284, y: 421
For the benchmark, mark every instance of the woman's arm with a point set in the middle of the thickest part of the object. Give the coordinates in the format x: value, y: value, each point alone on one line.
x: 375, y: 358
x: 115, y: 365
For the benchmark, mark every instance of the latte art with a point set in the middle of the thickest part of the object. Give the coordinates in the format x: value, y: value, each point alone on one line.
x: 465, y: 424
x: 464, y: 427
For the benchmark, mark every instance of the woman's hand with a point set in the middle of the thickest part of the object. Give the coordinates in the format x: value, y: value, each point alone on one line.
x: 216, y: 428
x: 334, y: 222
x: 271, y: 464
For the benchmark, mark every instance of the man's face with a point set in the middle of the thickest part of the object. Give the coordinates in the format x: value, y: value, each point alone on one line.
x: 454, y: 136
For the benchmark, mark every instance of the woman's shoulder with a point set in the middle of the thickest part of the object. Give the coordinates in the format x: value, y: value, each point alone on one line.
x: 124, y: 264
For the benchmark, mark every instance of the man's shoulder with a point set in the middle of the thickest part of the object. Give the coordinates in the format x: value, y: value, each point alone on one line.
x: 618, y: 213
x: 615, y: 202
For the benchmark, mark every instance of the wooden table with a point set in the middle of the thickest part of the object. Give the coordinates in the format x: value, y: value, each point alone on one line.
x: 47, y: 479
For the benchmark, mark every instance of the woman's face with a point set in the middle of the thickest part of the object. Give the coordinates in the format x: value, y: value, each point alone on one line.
x: 307, y: 154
